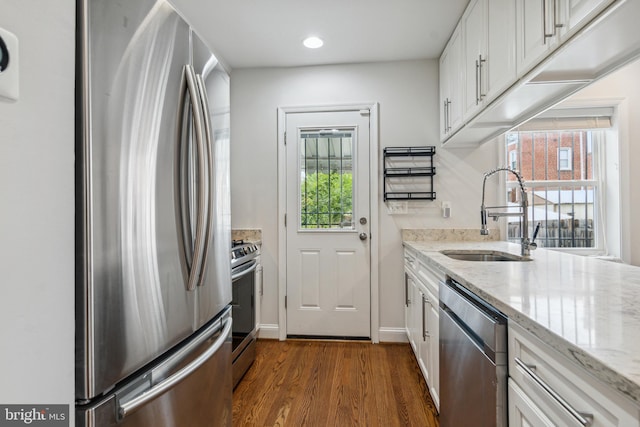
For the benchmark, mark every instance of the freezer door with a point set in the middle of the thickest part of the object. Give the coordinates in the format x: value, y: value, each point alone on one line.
x: 131, y: 300
x: 214, y: 290
x: 191, y: 388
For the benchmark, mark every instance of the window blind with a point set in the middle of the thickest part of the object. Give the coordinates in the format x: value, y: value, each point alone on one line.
x: 570, y: 119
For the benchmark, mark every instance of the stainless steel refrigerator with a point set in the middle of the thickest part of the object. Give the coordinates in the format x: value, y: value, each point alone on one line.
x: 153, y: 282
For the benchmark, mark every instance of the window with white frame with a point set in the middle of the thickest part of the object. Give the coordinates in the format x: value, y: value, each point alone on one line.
x: 513, y: 160
x: 564, y: 158
x: 563, y: 183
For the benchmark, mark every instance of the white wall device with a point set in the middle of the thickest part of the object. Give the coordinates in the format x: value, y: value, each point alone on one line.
x: 446, y: 209
x: 8, y: 66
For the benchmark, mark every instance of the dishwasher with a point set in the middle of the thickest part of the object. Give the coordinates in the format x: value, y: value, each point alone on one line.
x: 473, y: 360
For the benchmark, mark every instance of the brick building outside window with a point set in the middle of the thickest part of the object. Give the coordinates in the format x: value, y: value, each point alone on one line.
x: 561, y: 184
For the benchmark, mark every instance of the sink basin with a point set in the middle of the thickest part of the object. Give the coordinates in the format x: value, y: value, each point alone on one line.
x: 480, y: 255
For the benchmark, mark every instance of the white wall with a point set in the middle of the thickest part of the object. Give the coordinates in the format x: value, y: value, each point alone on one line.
x: 36, y: 208
x: 622, y: 88
x: 407, y: 93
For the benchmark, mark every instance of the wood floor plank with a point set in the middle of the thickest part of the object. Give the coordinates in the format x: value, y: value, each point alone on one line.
x: 323, y: 383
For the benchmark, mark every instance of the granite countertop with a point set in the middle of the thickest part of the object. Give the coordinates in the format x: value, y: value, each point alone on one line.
x: 586, y: 308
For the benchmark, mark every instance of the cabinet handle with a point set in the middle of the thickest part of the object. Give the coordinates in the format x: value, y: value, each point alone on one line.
x: 555, y: 17
x: 406, y: 290
x: 477, y: 82
x: 583, y: 418
x: 480, y: 62
x: 425, y: 333
x: 446, y: 119
x: 448, y: 115
x: 544, y: 22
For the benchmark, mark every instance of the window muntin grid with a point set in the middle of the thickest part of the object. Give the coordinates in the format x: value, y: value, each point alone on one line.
x: 326, y: 179
x: 563, y: 200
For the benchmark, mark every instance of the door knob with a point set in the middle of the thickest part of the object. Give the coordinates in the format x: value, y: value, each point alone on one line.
x: 363, y: 236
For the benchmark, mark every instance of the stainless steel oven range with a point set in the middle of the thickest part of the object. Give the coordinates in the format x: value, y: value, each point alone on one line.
x: 243, y: 266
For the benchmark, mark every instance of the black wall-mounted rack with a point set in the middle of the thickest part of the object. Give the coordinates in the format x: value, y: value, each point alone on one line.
x: 422, y: 166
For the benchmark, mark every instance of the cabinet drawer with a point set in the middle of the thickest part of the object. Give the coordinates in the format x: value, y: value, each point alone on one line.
x: 562, y: 390
x: 430, y: 277
x: 410, y: 261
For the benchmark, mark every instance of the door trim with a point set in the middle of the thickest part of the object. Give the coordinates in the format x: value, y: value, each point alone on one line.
x: 373, y: 207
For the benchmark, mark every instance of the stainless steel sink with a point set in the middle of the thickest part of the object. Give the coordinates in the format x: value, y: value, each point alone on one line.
x: 481, y: 255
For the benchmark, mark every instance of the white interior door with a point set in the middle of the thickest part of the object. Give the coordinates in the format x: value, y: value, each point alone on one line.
x: 328, y: 224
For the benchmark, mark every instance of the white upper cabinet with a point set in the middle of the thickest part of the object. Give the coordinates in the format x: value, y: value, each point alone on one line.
x: 519, y: 57
x: 580, y: 12
x: 538, y: 25
x: 543, y: 25
x: 451, y: 81
x: 489, y: 51
x: 501, y: 54
x: 475, y: 54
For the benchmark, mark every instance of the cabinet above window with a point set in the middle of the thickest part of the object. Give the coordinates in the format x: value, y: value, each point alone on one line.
x: 519, y: 61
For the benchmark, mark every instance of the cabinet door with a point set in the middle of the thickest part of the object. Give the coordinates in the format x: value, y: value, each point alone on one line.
x: 424, y: 358
x: 451, y: 80
x: 433, y: 320
x: 475, y: 47
x: 522, y: 411
x: 499, y: 72
x: 579, y: 12
x: 489, y: 29
x: 533, y: 20
x: 445, y: 83
x: 456, y: 81
x: 407, y: 304
x: 413, y: 314
x: 411, y: 310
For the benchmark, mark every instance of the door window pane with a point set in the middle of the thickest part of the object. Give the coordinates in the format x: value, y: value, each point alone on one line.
x: 326, y: 179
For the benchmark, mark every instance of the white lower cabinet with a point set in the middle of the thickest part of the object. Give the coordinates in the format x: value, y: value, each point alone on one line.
x: 433, y: 321
x: 522, y: 411
x: 422, y: 319
x: 548, y: 389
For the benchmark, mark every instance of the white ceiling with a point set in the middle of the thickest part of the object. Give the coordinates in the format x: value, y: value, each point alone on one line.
x: 269, y: 33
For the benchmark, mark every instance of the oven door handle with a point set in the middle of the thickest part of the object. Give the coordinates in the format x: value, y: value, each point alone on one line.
x: 243, y: 270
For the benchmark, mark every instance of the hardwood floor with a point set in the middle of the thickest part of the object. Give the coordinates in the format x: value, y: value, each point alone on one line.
x: 321, y: 383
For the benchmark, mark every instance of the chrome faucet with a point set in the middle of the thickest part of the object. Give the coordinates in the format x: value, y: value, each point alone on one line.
x: 526, y: 245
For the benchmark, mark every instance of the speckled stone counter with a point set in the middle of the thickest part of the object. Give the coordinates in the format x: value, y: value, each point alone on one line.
x: 587, y: 309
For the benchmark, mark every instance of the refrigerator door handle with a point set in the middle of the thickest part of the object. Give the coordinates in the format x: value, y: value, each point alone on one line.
x: 208, y: 144
x: 128, y: 406
x: 191, y: 270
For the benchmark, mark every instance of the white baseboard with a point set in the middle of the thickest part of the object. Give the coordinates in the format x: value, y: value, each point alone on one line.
x: 272, y: 332
x: 392, y: 335
x: 269, y: 332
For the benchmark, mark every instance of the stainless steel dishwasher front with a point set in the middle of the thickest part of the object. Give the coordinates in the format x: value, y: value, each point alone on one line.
x: 473, y: 360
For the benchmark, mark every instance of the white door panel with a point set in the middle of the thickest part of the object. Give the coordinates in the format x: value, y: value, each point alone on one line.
x: 328, y: 251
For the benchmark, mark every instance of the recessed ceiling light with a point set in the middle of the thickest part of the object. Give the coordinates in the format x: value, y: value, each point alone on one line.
x: 313, y: 42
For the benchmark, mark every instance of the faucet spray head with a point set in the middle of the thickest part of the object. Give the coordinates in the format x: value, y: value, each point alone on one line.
x: 483, y: 222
